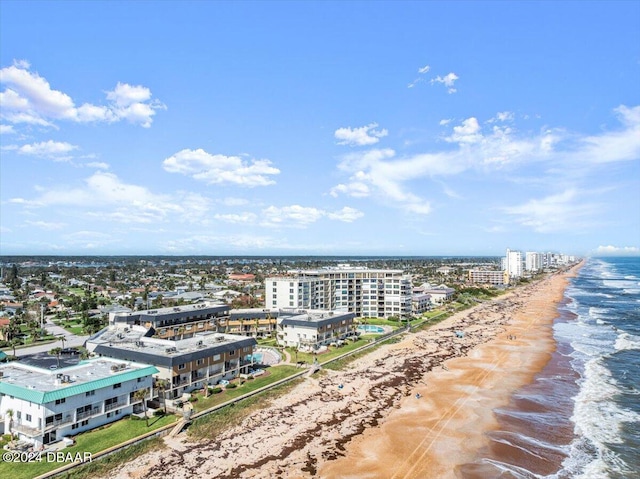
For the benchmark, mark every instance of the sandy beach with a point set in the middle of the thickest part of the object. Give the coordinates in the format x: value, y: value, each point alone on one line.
x: 374, y: 426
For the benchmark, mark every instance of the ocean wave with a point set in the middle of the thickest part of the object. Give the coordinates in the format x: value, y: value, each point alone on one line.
x: 627, y: 341
x: 598, y: 423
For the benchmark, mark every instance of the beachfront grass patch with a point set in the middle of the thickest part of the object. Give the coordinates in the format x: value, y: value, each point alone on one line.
x: 273, y: 374
x: 213, y: 424
x: 91, y: 441
x: 110, y: 462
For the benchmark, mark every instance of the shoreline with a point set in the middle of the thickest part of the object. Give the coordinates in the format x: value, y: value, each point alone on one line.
x: 446, y: 429
x: 362, y: 429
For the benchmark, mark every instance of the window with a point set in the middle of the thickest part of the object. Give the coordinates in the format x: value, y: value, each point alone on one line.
x: 140, y: 380
x: 28, y: 417
x: 117, y: 385
x: 75, y: 426
x: 60, y: 401
x: 182, y: 366
x: 199, y: 362
x: 232, y: 352
x: 85, y: 422
x: 90, y: 393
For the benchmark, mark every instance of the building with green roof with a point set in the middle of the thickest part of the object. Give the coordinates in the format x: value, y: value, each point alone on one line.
x: 42, y: 406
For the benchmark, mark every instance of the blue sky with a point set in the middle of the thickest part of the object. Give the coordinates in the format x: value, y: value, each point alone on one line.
x: 418, y: 128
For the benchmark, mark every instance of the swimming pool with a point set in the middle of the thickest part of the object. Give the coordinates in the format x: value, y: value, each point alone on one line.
x: 371, y: 329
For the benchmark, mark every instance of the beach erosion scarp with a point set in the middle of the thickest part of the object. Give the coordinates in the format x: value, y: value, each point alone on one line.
x: 374, y: 426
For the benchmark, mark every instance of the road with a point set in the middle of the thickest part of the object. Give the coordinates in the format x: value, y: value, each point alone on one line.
x: 70, y: 341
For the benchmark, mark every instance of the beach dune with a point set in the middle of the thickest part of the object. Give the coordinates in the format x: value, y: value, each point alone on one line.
x: 374, y: 426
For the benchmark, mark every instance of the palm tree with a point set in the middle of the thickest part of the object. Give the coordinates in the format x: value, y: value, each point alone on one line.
x: 162, y: 385
x: 57, y: 352
x: 14, y: 343
x: 10, y: 414
x: 63, y: 339
x: 141, y: 395
x: 181, y: 332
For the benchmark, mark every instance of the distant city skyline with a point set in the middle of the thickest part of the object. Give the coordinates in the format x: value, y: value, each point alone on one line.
x: 319, y: 128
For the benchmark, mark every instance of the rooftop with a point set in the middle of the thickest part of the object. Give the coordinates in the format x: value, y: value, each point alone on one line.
x: 43, y: 385
x: 134, y: 341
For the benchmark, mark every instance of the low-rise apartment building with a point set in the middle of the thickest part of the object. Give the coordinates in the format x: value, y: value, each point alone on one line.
x: 185, y: 364
x: 42, y: 406
x: 420, y: 303
x: 177, y: 322
x: 310, y: 330
x: 497, y: 278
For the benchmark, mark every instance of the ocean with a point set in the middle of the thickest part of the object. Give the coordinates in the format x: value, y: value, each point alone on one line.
x: 580, y: 417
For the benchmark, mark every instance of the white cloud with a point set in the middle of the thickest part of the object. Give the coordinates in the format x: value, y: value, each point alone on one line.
x: 565, y: 211
x: 448, y: 80
x: 468, y: 132
x: 444, y: 122
x: 215, y: 169
x: 617, y: 145
x: 355, y: 188
x: 100, y: 165
x: 505, y: 116
x: 242, y: 218
x: 364, y: 135
x: 231, y: 201
x: 381, y: 174
x: 421, y: 71
x: 7, y: 130
x: 29, y: 98
x: 610, y: 249
x: 46, y: 225
x: 48, y: 149
x: 346, y: 215
x: 296, y: 216
x: 104, y: 196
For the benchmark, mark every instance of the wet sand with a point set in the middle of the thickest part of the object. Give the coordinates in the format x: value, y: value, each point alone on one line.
x: 374, y: 426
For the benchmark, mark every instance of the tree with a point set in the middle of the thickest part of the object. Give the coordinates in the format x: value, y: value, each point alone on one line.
x: 63, y: 339
x: 10, y: 414
x: 162, y: 385
x: 14, y: 342
x: 141, y: 395
x: 57, y: 352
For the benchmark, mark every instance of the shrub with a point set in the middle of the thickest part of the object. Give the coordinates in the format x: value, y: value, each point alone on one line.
x: 158, y: 413
x: 193, y: 399
x: 215, y: 390
x: 232, y: 385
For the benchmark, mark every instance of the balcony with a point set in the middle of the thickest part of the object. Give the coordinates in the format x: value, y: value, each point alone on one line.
x: 85, y: 414
x: 114, y: 405
x: 25, y: 429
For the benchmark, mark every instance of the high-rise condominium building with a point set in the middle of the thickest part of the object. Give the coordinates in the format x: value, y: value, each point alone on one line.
x: 513, y: 263
x: 363, y: 291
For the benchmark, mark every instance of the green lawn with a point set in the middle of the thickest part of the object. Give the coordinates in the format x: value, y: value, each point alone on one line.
x: 333, y: 351
x: 92, y: 441
x: 274, y: 373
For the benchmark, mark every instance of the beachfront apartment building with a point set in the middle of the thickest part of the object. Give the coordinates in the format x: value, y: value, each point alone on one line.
x: 532, y: 261
x: 360, y: 290
x: 420, y: 303
x: 513, y: 263
x: 438, y: 294
x: 184, y: 364
x: 254, y: 322
x: 177, y: 322
x: 41, y: 406
x: 481, y: 276
x: 311, y: 330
